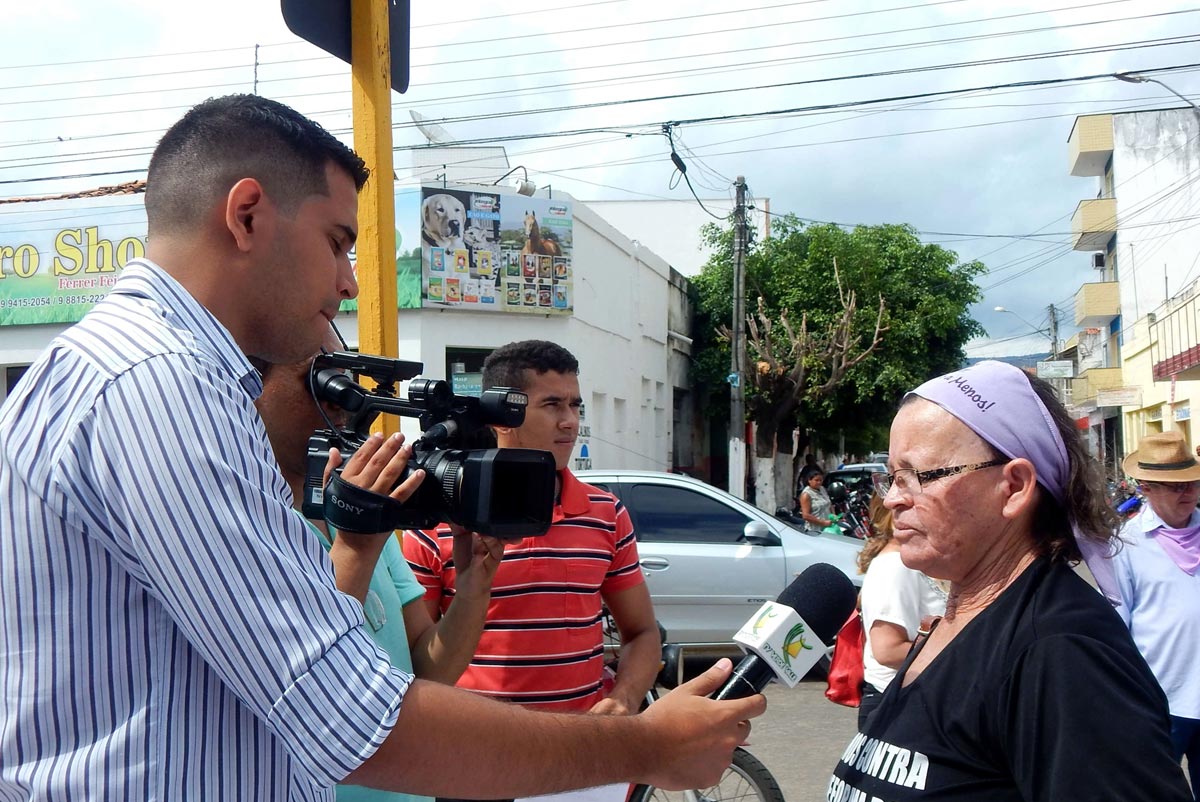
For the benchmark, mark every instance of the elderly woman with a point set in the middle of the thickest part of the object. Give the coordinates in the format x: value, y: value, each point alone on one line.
x: 1029, y: 688
x: 1158, y: 577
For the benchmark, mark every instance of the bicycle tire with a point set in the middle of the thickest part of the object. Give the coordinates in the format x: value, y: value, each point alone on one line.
x: 746, y: 780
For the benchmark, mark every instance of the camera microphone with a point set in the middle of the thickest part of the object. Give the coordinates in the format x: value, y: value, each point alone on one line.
x: 787, y: 637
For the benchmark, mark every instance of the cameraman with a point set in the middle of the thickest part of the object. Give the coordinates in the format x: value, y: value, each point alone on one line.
x: 371, y: 567
x: 543, y: 643
x: 172, y: 627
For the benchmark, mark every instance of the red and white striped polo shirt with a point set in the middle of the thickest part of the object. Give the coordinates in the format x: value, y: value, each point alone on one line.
x: 542, y: 644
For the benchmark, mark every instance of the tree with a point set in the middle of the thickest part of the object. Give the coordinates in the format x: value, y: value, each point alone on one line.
x: 892, y: 313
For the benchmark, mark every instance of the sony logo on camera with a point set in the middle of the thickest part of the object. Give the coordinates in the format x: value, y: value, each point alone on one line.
x: 348, y: 507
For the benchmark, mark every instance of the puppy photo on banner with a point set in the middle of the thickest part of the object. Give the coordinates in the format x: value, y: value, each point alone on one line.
x: 460, y: 235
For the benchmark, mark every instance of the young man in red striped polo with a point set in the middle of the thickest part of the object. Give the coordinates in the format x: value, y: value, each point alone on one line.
x: 542, y: 645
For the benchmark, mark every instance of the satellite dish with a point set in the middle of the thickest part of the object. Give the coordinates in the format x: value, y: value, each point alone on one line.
x: 434, y: 133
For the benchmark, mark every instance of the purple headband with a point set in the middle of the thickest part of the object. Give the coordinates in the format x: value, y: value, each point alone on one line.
x: 996, y: 401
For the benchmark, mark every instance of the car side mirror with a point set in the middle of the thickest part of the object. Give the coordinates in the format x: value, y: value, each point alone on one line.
x: 758, y: 533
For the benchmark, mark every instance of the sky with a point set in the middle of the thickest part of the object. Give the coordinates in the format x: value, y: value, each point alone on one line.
x: 87, y: 88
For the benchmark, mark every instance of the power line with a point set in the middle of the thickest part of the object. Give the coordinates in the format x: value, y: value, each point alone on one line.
x: 497, y: 56
x: 762, y: 114
x: 473, y: 96
x: 506, y: 93
x: 458, y: 21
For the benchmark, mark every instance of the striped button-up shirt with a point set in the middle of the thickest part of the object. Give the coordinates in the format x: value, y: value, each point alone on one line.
x: 169, y: 629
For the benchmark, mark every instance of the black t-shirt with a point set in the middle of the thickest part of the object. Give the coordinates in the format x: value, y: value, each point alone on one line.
x: 1041, y: 698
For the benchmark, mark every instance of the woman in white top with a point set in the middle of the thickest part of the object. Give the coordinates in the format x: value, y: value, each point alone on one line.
x: 814, y: 503
x: 894, y: 600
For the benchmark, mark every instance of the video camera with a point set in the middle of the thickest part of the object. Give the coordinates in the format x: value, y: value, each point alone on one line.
x: 502, y: 492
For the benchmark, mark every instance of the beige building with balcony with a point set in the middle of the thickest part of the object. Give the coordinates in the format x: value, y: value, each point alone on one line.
x: 1138, y: 350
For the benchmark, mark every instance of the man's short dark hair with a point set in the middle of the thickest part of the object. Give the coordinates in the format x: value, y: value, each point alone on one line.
x: 506, y: 366
x: 225, y: 139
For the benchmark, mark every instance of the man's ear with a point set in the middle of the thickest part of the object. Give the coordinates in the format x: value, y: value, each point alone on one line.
x: 248, y: 211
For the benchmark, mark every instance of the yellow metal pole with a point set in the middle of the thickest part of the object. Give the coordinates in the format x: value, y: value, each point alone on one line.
x: 371, y: 70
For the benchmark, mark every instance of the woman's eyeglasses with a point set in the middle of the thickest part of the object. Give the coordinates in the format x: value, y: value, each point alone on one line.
x: 910, y: 481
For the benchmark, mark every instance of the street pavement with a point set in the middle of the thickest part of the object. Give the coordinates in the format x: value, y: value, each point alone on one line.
x: 800, y: 738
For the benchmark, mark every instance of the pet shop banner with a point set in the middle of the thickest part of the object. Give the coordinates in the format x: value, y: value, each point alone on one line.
x: 408, y: 250
x: 59, y: 258
x: 495, y: 253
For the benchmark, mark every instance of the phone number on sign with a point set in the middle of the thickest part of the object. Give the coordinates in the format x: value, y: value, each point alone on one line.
x: 23, y: 303
x: 79, y: 299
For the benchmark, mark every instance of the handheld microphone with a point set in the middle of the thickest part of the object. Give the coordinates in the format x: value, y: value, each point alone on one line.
x: 779, y: 639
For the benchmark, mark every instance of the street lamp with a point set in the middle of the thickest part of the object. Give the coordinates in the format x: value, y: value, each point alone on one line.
x: 1134, y: 78
x: 1053, y: 344
x: 1018, y: 317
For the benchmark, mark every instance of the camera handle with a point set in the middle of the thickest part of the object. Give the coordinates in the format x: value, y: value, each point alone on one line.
x: 359, y: 511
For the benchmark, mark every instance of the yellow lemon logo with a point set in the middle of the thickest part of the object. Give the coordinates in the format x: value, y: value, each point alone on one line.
x: 794, y: 643
x: 762, y: 619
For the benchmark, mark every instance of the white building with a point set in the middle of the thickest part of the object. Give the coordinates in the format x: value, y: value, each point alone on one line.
x: 671, y: 228
x: 1140, y: 317
x: 628, y: 328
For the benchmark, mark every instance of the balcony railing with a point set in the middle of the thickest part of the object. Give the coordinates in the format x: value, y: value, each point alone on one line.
x: 1097, y: 303
x: 1090, y: 145
x: 1175, y: 343
x: 1094, y: 224
x: 1086, y: 385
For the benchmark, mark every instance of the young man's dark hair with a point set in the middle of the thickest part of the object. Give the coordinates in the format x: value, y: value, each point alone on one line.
x: 226, y: 139
x: 506, y: 366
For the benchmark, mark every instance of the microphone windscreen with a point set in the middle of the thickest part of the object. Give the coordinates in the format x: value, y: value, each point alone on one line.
x: 824, y: 597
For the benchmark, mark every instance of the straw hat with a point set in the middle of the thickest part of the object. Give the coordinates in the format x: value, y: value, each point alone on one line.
x: 1162, y: 458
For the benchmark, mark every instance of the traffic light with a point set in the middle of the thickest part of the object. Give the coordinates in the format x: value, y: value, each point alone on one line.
x: 326, y: 23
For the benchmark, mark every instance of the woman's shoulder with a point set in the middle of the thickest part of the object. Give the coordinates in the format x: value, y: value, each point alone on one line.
x: 1057, y: 601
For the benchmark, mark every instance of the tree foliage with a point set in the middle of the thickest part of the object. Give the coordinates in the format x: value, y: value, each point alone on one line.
x: 791, y: 276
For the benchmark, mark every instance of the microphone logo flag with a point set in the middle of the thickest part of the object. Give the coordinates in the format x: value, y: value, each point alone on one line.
x: 780, y: 636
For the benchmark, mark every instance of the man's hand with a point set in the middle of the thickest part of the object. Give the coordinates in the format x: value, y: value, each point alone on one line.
x: 476, y: 558
x: 697, y: 735
x: 611, y: 706
x: 377, y: 466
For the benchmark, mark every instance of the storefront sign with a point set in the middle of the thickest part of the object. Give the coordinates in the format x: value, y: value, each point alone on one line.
x: 1183, y: 413
x: 1119, y: 397
x: 58, y: 258
x: 1056, y: 369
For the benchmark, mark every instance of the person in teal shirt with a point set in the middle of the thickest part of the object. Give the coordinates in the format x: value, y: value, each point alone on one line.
x: 372, y: 568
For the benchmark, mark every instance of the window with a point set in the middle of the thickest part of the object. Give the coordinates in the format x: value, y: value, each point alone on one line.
x: 12, y: 375
x: 681, y: 515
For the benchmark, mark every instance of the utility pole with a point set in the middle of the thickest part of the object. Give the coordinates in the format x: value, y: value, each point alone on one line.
x: 1060, y: 385
x: 1137, y: 312
x: 378, y: 329
x: 737, y: 402
x: 1053, y: 331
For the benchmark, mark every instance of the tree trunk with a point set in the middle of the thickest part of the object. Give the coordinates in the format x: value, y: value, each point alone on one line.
x: 773, y: 481
x: 765, y: 495
x: 784, y: 472
x: 785, y: 488
x: 764, y: 463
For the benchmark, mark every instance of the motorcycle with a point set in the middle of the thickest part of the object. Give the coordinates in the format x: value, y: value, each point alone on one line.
x: 1124, y: 498
x: 850, y: 515
x: 852, y: 506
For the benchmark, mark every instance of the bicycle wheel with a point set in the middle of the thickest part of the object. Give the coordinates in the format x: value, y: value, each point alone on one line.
x: 746, y: 780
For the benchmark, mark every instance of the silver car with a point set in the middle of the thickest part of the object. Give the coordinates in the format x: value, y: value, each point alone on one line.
x: 710, y: 559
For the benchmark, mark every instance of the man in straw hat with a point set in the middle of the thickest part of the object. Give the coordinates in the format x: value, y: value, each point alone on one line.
x: 1156, y: 574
